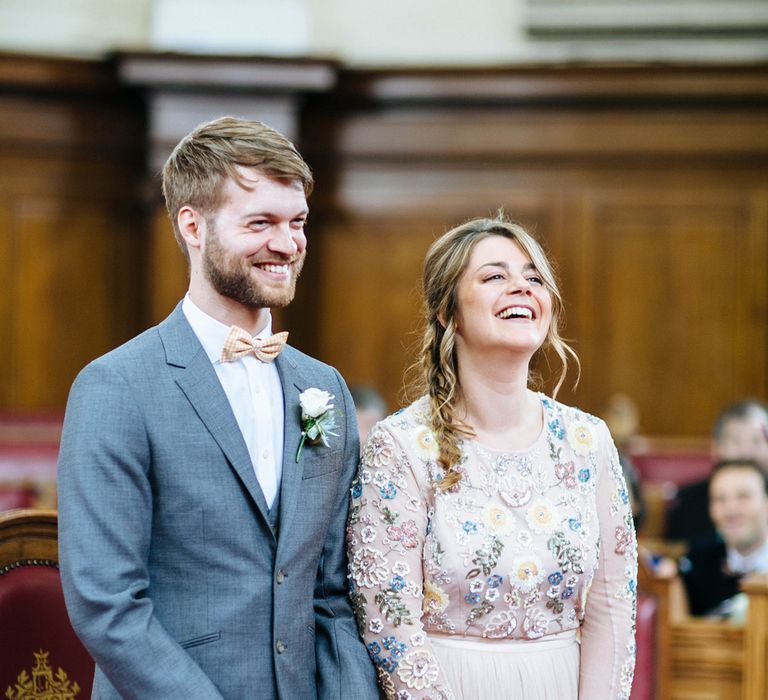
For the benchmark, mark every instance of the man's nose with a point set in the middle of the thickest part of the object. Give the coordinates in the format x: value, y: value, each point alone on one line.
x: 284, y: 241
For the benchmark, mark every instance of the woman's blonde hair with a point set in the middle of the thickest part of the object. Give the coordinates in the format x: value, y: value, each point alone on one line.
x: 444, y: 266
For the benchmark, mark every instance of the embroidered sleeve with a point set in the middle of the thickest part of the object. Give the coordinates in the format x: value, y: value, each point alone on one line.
x: 608, y: 631
x: 386, y: 537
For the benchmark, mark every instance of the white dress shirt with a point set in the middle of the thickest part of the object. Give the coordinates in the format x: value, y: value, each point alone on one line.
x: 756, y: 562
x: 255, y: 394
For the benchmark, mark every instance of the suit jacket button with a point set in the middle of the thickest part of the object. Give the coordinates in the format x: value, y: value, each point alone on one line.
x: 280, y: 576
x: 280, y: 646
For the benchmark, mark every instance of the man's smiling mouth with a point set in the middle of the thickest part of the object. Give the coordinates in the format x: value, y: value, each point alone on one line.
x: 281, y: 269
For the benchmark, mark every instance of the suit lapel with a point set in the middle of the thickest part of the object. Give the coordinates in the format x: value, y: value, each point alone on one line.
x: 202, y: 388
x: 294, y: 382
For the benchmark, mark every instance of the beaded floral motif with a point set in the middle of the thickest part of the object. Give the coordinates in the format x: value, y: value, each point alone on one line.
x: 510, y: 552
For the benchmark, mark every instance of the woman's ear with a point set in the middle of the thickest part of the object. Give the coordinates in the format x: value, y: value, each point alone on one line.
x: 445, y: 313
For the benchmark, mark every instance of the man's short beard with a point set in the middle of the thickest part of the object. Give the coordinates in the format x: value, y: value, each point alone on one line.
x: 231, y: 276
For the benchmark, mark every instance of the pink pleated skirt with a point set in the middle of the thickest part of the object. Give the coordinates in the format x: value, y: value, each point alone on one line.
x: 493, y: 669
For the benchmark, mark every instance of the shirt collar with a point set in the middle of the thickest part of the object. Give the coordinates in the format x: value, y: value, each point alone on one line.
x: 757, y: 561
x: 212, y: 333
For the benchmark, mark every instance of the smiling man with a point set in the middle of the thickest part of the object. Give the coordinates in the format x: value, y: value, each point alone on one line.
x: 738, y: 505
x: 740, y: 432
x: 202, y: 551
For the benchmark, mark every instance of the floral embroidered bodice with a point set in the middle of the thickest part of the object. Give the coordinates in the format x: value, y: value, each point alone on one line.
x: 528, y: 544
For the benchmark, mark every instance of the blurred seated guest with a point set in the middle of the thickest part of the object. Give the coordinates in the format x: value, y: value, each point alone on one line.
x: 623, y: 419
x: 713, y: 568
x: 740, y: 432
x: 370, y: 408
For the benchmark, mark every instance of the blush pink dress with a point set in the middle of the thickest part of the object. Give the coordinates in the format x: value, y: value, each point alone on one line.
x: 519, y: 582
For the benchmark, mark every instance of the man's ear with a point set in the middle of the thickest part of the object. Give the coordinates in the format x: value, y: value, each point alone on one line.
x: 191, y: 226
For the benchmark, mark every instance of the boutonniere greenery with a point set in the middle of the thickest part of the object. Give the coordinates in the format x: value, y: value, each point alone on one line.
x: 318, y: 418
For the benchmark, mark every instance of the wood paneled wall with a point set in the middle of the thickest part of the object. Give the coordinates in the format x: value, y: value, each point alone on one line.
x: 71, y: 228
x: 647, y: 184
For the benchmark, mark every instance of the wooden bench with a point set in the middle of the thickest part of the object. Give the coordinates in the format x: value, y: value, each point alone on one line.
x: 702, y: 659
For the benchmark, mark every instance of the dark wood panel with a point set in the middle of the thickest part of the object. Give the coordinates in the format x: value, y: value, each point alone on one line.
x: 53, y: 74
x: 665, y: 289
x: 495, y: 133
x: 369, y: 302
x: 72, y: 234
x: 673, y: 310
x: 167, y: 272
x: 73, y: 299
x: 634, y: 192
x: 646, y: 183
x: 81, y: 129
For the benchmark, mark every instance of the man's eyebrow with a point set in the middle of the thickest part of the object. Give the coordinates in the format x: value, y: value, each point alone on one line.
x: 267, y: 213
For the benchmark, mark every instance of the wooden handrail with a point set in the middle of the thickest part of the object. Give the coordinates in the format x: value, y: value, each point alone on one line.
x: 756, y: 638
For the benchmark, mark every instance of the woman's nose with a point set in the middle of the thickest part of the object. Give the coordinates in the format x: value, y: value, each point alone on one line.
x: 519, y: 285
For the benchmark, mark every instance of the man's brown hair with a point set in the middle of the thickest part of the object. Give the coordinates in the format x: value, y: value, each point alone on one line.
x: 196, y: 169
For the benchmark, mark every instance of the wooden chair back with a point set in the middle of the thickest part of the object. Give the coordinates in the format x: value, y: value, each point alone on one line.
x: 40, y: 655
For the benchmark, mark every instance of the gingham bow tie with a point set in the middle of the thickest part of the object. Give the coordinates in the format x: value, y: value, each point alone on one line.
x: 240, y: 343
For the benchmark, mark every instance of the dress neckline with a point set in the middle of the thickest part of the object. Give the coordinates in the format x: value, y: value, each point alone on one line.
x: 535, y: 443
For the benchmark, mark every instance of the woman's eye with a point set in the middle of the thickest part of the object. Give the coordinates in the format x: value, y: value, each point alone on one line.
x: 493, y: 277
x: 536, y: 280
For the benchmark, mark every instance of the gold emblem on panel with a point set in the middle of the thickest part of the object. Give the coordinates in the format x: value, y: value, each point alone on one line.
x: 42, y: 684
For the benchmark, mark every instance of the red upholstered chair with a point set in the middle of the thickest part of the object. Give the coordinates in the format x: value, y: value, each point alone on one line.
x: 17, y: 495
x: 645, y: 668
x: 40, y: 656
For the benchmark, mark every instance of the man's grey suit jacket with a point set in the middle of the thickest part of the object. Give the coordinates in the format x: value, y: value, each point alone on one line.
x: 173, y: 576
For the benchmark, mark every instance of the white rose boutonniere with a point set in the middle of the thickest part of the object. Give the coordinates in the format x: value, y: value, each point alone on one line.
x: 318, y: 419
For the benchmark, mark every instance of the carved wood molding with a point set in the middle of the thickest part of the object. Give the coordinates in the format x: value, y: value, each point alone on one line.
x: 650, y: 17
x: 55, y: 74
x: 72, y: 108
x: 225, y: 73
x: 560, y: 84
x: 567, y: 113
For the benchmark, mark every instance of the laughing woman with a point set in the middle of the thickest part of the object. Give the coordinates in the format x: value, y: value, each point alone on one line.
x: 491, y: 546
